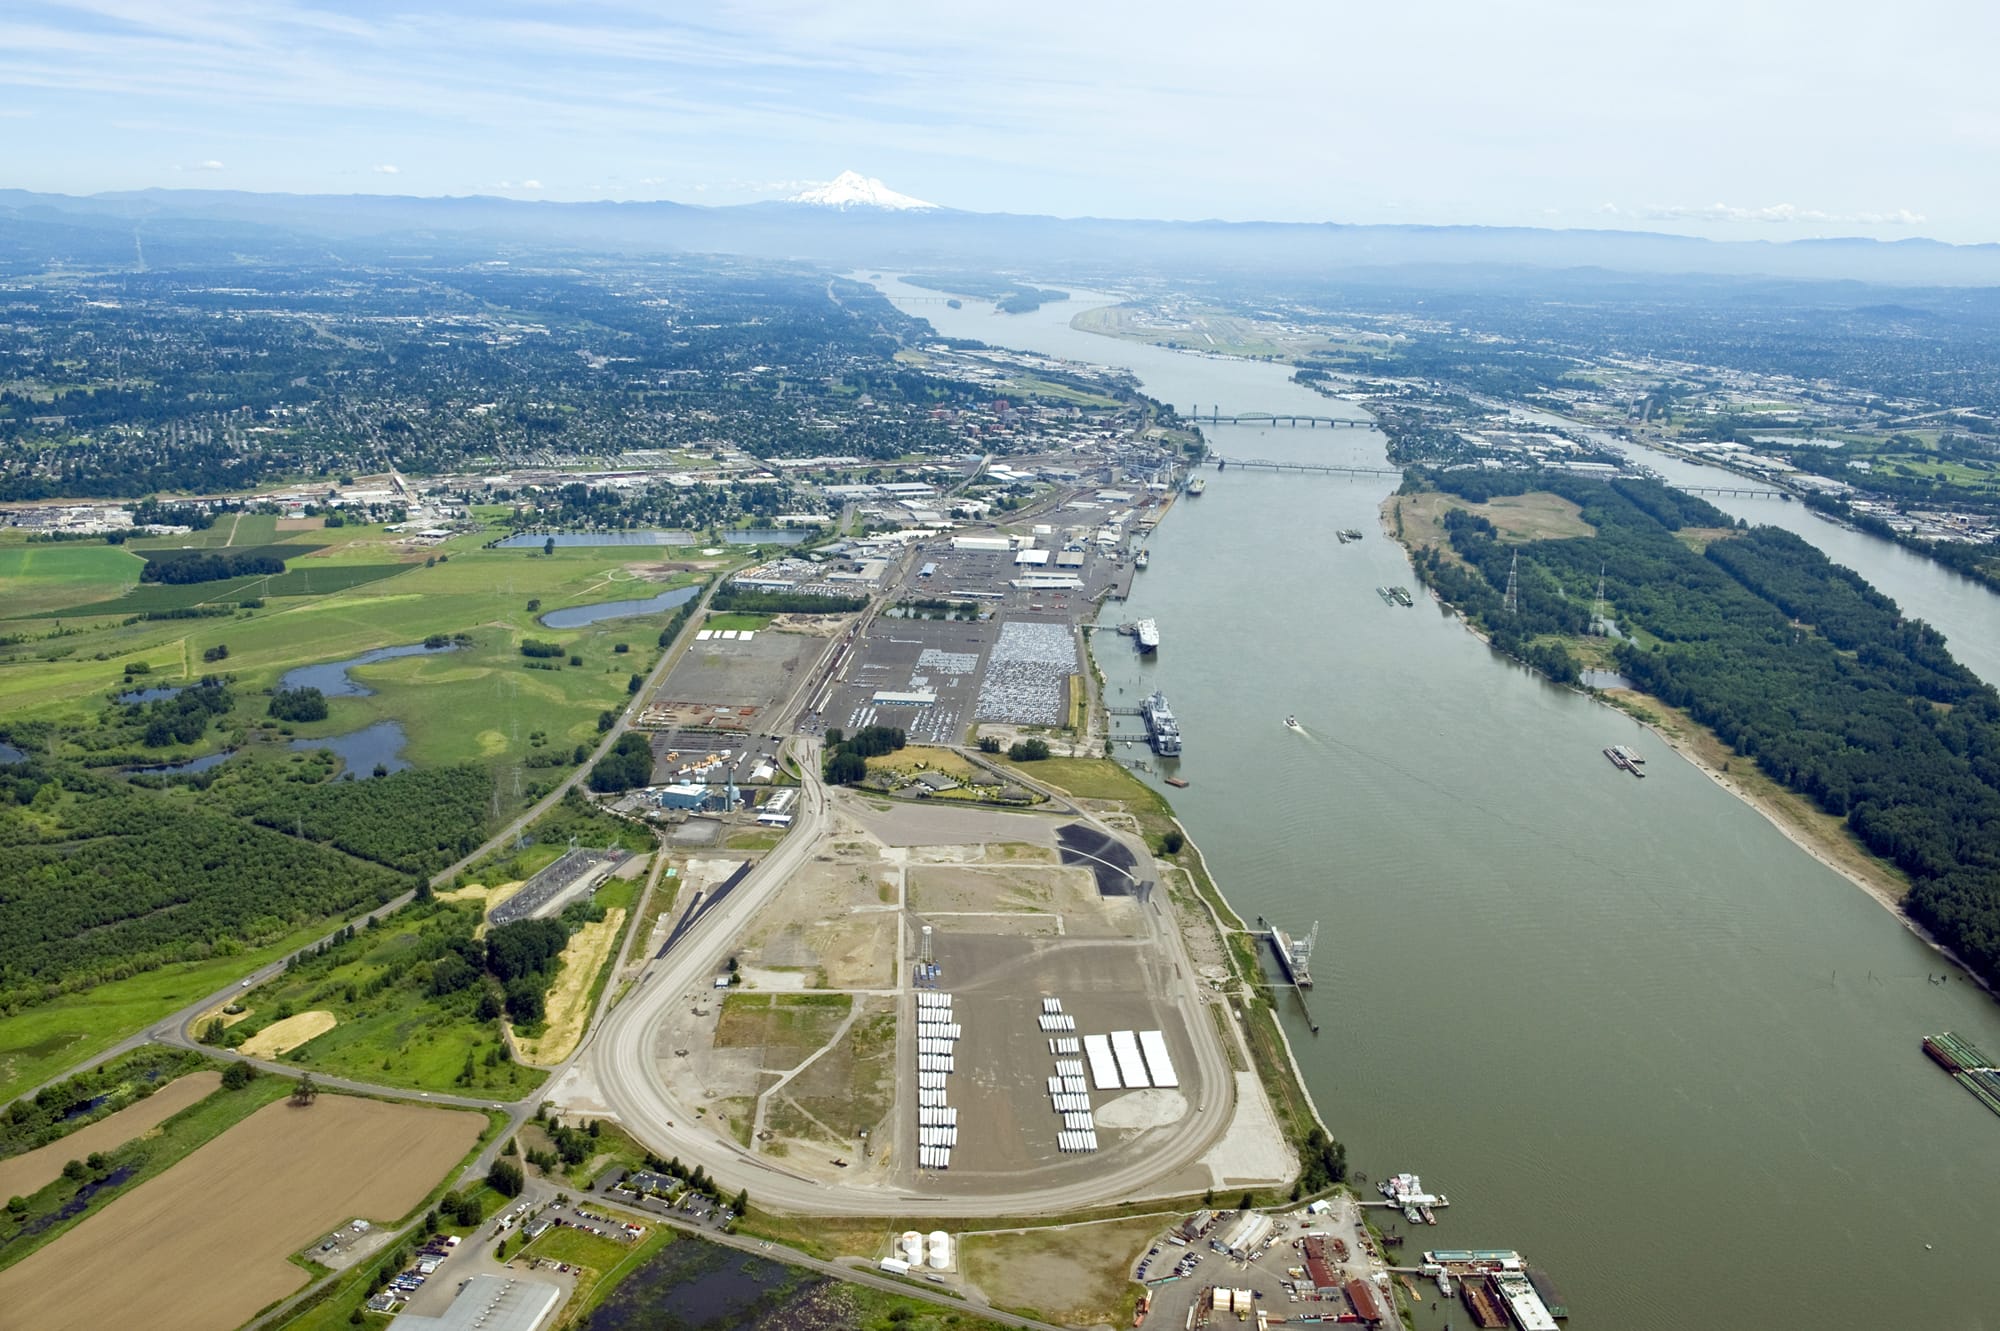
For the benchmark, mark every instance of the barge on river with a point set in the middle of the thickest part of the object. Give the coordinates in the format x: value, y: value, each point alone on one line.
x: 1626, y: 760
x: 1968, y: 1066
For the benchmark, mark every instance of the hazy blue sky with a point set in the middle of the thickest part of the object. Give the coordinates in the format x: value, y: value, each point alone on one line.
x: 1772, y: 118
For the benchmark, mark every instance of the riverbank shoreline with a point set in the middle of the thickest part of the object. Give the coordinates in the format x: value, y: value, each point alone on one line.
x: 1887, y: 890
x: 1226, y: 920
x: 1834, y: 849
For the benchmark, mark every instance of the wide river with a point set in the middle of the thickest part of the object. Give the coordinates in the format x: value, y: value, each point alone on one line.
x: 1626, y: 1026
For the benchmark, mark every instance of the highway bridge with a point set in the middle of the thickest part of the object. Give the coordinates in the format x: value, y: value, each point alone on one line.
x: 1319, y: 468
x: 1735, y: 491
x: 1218, y: 417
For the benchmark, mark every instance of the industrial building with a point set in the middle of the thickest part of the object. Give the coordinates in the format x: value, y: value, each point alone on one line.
x: 1246, y: 1234
x: 683, y: 797
x: 491, y: 1303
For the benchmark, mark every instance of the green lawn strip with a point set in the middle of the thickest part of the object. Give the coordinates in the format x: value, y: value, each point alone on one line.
x: 737, y: 622
x: 45, y: 1039
x: 144, y: 1157
x: 605, y: 1262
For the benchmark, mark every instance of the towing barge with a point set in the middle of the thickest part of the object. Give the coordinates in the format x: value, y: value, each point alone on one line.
x: 1967, y: 1065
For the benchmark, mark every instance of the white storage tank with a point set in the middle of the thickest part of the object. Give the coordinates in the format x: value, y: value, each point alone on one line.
x: 913, y: 1247
x: 940, y: 1250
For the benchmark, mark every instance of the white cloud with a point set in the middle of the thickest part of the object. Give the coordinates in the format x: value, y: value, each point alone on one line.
x: 210, y: 165
x: 531, y: 184
x: 387, y: 169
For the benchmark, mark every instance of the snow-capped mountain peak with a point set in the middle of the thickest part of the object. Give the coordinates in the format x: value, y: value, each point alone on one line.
x: 851, y: 189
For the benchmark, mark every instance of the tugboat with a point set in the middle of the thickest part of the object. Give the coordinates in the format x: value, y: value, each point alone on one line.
x: 1141, y: 559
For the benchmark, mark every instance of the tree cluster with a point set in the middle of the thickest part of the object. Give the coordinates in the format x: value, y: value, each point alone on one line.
x: 629, y: 764
x: 847, y: 755
x: 178, y: 567
x: 303, y: 704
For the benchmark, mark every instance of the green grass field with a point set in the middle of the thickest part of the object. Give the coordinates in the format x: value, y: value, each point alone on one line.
x: 303, y: 580
x: 394, y: 1035
x: 738, y: 622
x: 1093, y: 779
x: 43, y: 1041
x: 479, y: 704
x: 45, y: 577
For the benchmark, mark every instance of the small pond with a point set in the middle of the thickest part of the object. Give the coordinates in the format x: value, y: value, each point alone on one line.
x: 360, y: 751
x: 157, y: 693
x: 579, y: 616
x: 192, y: 765
x: 331, y: 677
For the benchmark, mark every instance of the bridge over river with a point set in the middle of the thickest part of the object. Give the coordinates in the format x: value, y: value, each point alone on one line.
x: 1320, y: 468
x: 1218, y: 417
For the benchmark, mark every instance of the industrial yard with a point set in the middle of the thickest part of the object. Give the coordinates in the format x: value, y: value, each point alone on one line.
x: 931, y: 960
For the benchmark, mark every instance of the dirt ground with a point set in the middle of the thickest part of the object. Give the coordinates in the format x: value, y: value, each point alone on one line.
x: 26, y: 1173
x: 569, y: 1000
x: 1076, y: 1275
x: 284, y: 1036
x: 833, y: 926
x: 850, y: 1087
x: 1528, y: 517
x: 205, y: 1244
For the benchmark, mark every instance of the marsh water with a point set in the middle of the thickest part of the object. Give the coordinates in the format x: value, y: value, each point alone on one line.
x: 1629, y: 1028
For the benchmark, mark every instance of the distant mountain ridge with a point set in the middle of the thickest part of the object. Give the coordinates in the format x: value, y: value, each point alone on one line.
x: 108, y: 229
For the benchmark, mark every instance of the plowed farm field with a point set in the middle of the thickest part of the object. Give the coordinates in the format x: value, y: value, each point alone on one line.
x: 205, y: 1244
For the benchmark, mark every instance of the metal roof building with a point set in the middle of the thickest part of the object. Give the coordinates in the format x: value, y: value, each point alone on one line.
x: 491, y: 1303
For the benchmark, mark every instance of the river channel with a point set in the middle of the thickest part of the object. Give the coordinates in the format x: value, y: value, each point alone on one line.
x: 1628, y: 1028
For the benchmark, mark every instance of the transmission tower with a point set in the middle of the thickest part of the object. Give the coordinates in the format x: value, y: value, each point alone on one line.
x: 1597, y: 610
x: 1513, y: 602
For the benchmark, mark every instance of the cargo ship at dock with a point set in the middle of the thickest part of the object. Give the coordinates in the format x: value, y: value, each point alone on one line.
x: 1295, y: 954
x: 1968, y: 1066
x: 1197, y: 486
x: 1163, y: 730
x: 1148, y: 633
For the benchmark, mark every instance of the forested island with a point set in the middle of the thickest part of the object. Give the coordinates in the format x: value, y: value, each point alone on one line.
x: 1792, y: 660
x: 1008, y: 296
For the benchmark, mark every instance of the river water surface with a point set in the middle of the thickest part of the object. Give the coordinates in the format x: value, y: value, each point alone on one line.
x: 1626, y: 1026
